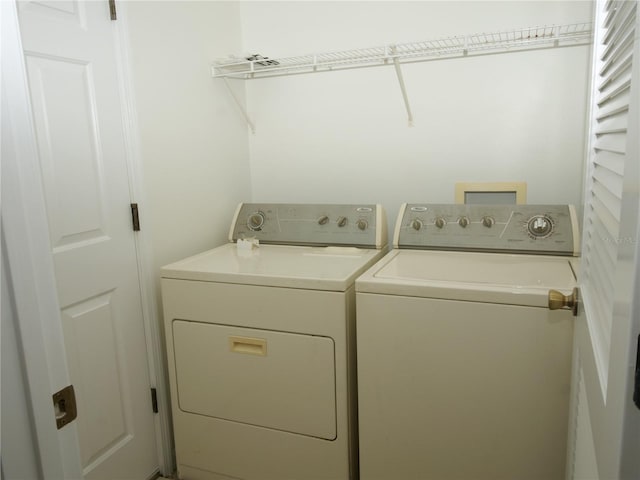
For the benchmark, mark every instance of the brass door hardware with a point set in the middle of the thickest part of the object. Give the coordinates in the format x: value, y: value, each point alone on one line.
x: 64, y: 403
x: 557, y: 301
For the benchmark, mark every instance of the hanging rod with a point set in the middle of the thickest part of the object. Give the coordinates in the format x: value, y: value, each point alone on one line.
x: 449, y: 47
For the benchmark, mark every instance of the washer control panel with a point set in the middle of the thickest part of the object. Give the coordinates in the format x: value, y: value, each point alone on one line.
x: 542, y: 229
x: 311, y: 224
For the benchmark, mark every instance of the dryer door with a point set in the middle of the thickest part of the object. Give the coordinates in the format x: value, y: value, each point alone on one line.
x: 271, y: 379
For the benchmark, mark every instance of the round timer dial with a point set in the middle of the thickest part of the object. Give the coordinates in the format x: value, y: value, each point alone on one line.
x: 540, y: 226
x: 255, y: 221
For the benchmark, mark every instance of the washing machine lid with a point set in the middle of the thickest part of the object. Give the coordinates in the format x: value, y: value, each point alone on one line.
x: 314, y: 268
x: 481, y: 277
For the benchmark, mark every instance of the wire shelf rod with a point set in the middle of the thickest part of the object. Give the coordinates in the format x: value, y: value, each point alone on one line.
x: 411, y: 52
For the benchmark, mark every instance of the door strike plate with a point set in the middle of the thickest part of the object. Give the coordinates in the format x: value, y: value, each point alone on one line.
x: 64, y: 404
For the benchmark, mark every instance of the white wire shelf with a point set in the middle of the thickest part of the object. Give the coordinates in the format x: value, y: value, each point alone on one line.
x: 458, y: 46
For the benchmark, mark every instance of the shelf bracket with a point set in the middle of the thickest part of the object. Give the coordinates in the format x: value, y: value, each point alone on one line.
x: 244, y: 113
x: 405, y: 97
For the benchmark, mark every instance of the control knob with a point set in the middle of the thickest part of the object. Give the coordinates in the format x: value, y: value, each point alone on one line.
x: 463, y: 222
x: 255, y: 221
x: 342, y: 221
x: 416, y: 224
x: 440, y: 222
x: 488, y: 221
x: 323, y: 220
x: 362, y: 224
x: 540, y: 226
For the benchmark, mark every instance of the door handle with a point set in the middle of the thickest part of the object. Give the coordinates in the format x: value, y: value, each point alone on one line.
x: 247, y: 345
x: 557, y: 301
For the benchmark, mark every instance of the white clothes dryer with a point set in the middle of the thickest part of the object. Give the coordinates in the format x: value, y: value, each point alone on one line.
x: 261, y: 344
x: 463, y: 370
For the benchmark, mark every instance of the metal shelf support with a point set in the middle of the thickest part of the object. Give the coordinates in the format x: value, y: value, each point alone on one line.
x: 244, y: 113
x: 403, y: 89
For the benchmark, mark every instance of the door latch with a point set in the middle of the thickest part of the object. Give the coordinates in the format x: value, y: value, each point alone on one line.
x: 64, y: 404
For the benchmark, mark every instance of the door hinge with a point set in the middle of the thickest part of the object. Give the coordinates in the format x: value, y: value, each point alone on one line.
x: 135, y: 217
x: 64, y: 404
x: 112, y: 10
x: 154, y: 400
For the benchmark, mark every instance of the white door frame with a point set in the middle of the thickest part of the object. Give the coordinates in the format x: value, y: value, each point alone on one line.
x: 630, y: 255
x: 31, y: 272
x: 630, y: 458
x: 150, y: 298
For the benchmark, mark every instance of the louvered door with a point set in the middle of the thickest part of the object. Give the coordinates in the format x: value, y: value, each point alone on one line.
x: 603, y: 413
x: 609, y: 138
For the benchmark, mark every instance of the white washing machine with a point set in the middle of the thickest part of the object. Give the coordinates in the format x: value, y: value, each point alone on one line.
x: 261, y: 344
x: 463, y: 370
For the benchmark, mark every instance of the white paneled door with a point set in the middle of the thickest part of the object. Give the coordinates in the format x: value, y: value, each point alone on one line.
x: 71, y: 65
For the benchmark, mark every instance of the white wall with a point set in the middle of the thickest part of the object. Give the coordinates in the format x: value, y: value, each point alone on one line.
x: 194, y: 146
x: 343, y: 136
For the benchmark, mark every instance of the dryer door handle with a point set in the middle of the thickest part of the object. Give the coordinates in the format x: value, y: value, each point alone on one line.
x: 247, y: 345
x: 557, y: 301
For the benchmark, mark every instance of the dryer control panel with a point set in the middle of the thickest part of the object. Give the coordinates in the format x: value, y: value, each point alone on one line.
x: 311, y: 224
x: 537, y: 229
